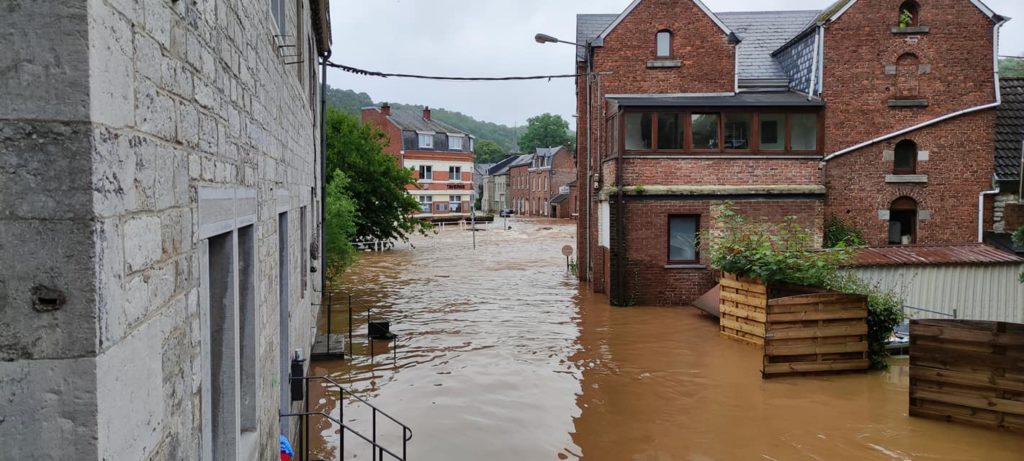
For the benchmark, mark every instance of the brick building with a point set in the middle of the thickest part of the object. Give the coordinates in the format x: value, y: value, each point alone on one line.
x: 1008, y: 209
x: 550, y: 170
x: 842, y: 112
x: 160, y: 204
x: 440, y: 156
x: 519, y: 185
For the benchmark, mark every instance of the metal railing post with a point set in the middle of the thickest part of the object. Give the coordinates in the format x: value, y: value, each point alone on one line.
x: 305, y: 420
x: 330, y: 331
x: 374, y: 455
x: 350, y: 325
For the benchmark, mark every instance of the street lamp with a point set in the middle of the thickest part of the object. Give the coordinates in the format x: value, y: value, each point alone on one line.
x: 587, y: 49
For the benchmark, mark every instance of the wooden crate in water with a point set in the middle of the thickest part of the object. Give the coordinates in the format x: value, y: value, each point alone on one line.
x: 801, y: 329
x: 968, y: 372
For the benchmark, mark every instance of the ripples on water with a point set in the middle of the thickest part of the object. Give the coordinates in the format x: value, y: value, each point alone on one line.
x: 502, y: 357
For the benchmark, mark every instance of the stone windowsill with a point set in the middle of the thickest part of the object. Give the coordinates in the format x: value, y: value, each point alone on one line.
x: 664, y: 63
x: 685, y: 266
x: 908, y: 103
x: 910, y: 30
x: 906, y: 178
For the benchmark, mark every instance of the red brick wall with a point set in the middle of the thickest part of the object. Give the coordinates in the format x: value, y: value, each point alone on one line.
x: 649, y: 171
x: 647, y: 243
x: 517, y: 190
x: 394, y: 135
x: 957, y: 47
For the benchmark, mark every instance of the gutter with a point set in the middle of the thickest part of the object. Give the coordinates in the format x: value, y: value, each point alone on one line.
x: 998, y: 101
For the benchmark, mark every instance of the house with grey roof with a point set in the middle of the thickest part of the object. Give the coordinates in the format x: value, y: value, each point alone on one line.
x: 1008, y: 210
x: 441, y: 157
x: 879, y: 114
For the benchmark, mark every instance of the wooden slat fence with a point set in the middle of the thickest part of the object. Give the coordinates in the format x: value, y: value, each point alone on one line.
x: 968, y: 372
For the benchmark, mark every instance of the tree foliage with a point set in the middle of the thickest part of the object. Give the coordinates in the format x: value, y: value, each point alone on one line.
x: 547, y: 130
x: 376, y: 181
x: 1011, y: 68
x: 488, y: 151
x: 839, y: 233
x: 340, y: 216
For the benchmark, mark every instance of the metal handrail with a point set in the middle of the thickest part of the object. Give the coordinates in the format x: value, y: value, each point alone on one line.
x: 953, y: 315
x: 406, y: 431
x: 375, y: 445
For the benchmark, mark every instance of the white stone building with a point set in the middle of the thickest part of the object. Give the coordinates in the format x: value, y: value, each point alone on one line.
x: 160, y: 188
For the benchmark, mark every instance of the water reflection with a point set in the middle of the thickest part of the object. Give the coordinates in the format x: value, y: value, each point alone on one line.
x: 502, y: 357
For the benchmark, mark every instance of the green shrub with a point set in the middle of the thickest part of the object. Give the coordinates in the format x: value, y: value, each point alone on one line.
x: 840, y: 234
x: 885, y: 312
x: 785, y: 253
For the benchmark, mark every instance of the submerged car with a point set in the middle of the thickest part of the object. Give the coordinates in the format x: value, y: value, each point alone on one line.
x: 506, y: 213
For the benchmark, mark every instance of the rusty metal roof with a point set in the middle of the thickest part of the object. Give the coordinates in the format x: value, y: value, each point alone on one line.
x: 925, y: 255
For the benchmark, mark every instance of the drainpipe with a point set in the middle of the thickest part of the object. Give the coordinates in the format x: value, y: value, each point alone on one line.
x: 981, y: 212
x: 590, y: 159
x: 999, y: 100
x: 323, y: 172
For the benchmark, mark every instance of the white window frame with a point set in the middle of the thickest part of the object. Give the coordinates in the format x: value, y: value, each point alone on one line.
x: 425, y: 139
x: 454, y: 173
x: 428, y: 169
x: 452, y: 138
x: 426, y: 200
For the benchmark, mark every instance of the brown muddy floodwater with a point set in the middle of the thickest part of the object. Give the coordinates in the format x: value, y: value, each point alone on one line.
x: 502, y: 356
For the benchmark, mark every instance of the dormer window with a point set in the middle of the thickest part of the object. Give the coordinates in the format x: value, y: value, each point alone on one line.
x: 908, y: 14
x: 455, y: 142
x: 664, y: 44
x: 426, y: 140
x: 905, y: 158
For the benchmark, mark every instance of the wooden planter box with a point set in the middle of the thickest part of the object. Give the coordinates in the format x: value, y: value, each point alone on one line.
x: 802, y: 329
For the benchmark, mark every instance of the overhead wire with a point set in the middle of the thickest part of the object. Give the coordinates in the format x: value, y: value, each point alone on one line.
x: 371, y: 73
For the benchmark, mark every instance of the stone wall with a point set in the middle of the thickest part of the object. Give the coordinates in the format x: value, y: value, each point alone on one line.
x: 106, y: 144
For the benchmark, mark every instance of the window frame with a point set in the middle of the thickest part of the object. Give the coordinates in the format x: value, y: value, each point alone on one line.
x: 462, y: 142
x: 429, y: 169
x: 914, y: 8
x: 902, y: 205
x: 454, y: 173
x: 755, y: 131
x: 668, y: 238
x: 419, y: 141
x: 896, y: 170
x: 657, y: 43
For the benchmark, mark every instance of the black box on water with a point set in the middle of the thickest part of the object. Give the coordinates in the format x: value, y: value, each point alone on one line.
x: 380, y: 329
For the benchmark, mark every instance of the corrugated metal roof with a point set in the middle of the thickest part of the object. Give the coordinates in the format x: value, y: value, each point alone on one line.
x: 761, y: 33
x: 1010, y: 129
x: 774, y: 99
x: 927, y: 255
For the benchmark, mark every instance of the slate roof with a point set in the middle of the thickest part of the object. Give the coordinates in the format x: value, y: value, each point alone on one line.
x: 548, y: 151
x: 501, y: 167
x: 559, y: 199
x: 1010, y: 129
x: 522, y: 160
x: 588, y: 27
x: 761, y: 33
x: 413, y: 120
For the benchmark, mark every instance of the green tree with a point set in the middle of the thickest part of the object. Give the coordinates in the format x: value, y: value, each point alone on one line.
x: 1011, y: 67
x: 341, y: 219
x: 376, y: 180
x: 547, y: 131
x: 488, y: 151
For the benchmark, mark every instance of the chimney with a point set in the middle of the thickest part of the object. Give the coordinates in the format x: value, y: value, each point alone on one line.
x: 426, y: 113
x: 385, y: 109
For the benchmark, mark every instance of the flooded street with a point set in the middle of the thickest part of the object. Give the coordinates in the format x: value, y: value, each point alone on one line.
x: 502, y: 356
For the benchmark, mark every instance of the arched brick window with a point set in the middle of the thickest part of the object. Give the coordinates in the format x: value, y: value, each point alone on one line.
x: 907, y: 85
x: 664, y: 44
x: 908, y: 14
x: 903, y: 221
x: 905, y: 159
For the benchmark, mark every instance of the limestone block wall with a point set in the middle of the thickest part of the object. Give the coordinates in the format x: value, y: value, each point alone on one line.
x: 114, y: 115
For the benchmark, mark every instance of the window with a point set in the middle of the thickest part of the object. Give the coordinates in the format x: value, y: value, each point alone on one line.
x: 704, y: 130
x: 455, y: 202
x: 638, y: 131
x: 683, y: 239
x: 426, y: 141
x: 773, y: 132
x: 442, y: 206
x: 908, y: 16
x: 905, y: 159
x: 455, y: 173
x: 903, y: 221
x: 664, y: 44
x: 455, y: 142
x: 803, y: 132
x: 426, y: 203
x: 670, y: 131
x: 737, y: 130
x: 222, y: 336
x: 277, y: 10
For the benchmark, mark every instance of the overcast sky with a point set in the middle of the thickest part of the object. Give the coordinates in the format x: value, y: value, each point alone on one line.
x: 495, y: 38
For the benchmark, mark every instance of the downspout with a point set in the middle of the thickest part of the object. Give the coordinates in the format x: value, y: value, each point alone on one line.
x: 590, y: 159
x: 814, y: 64
x: 323, y: 172
x: 999, y: 100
